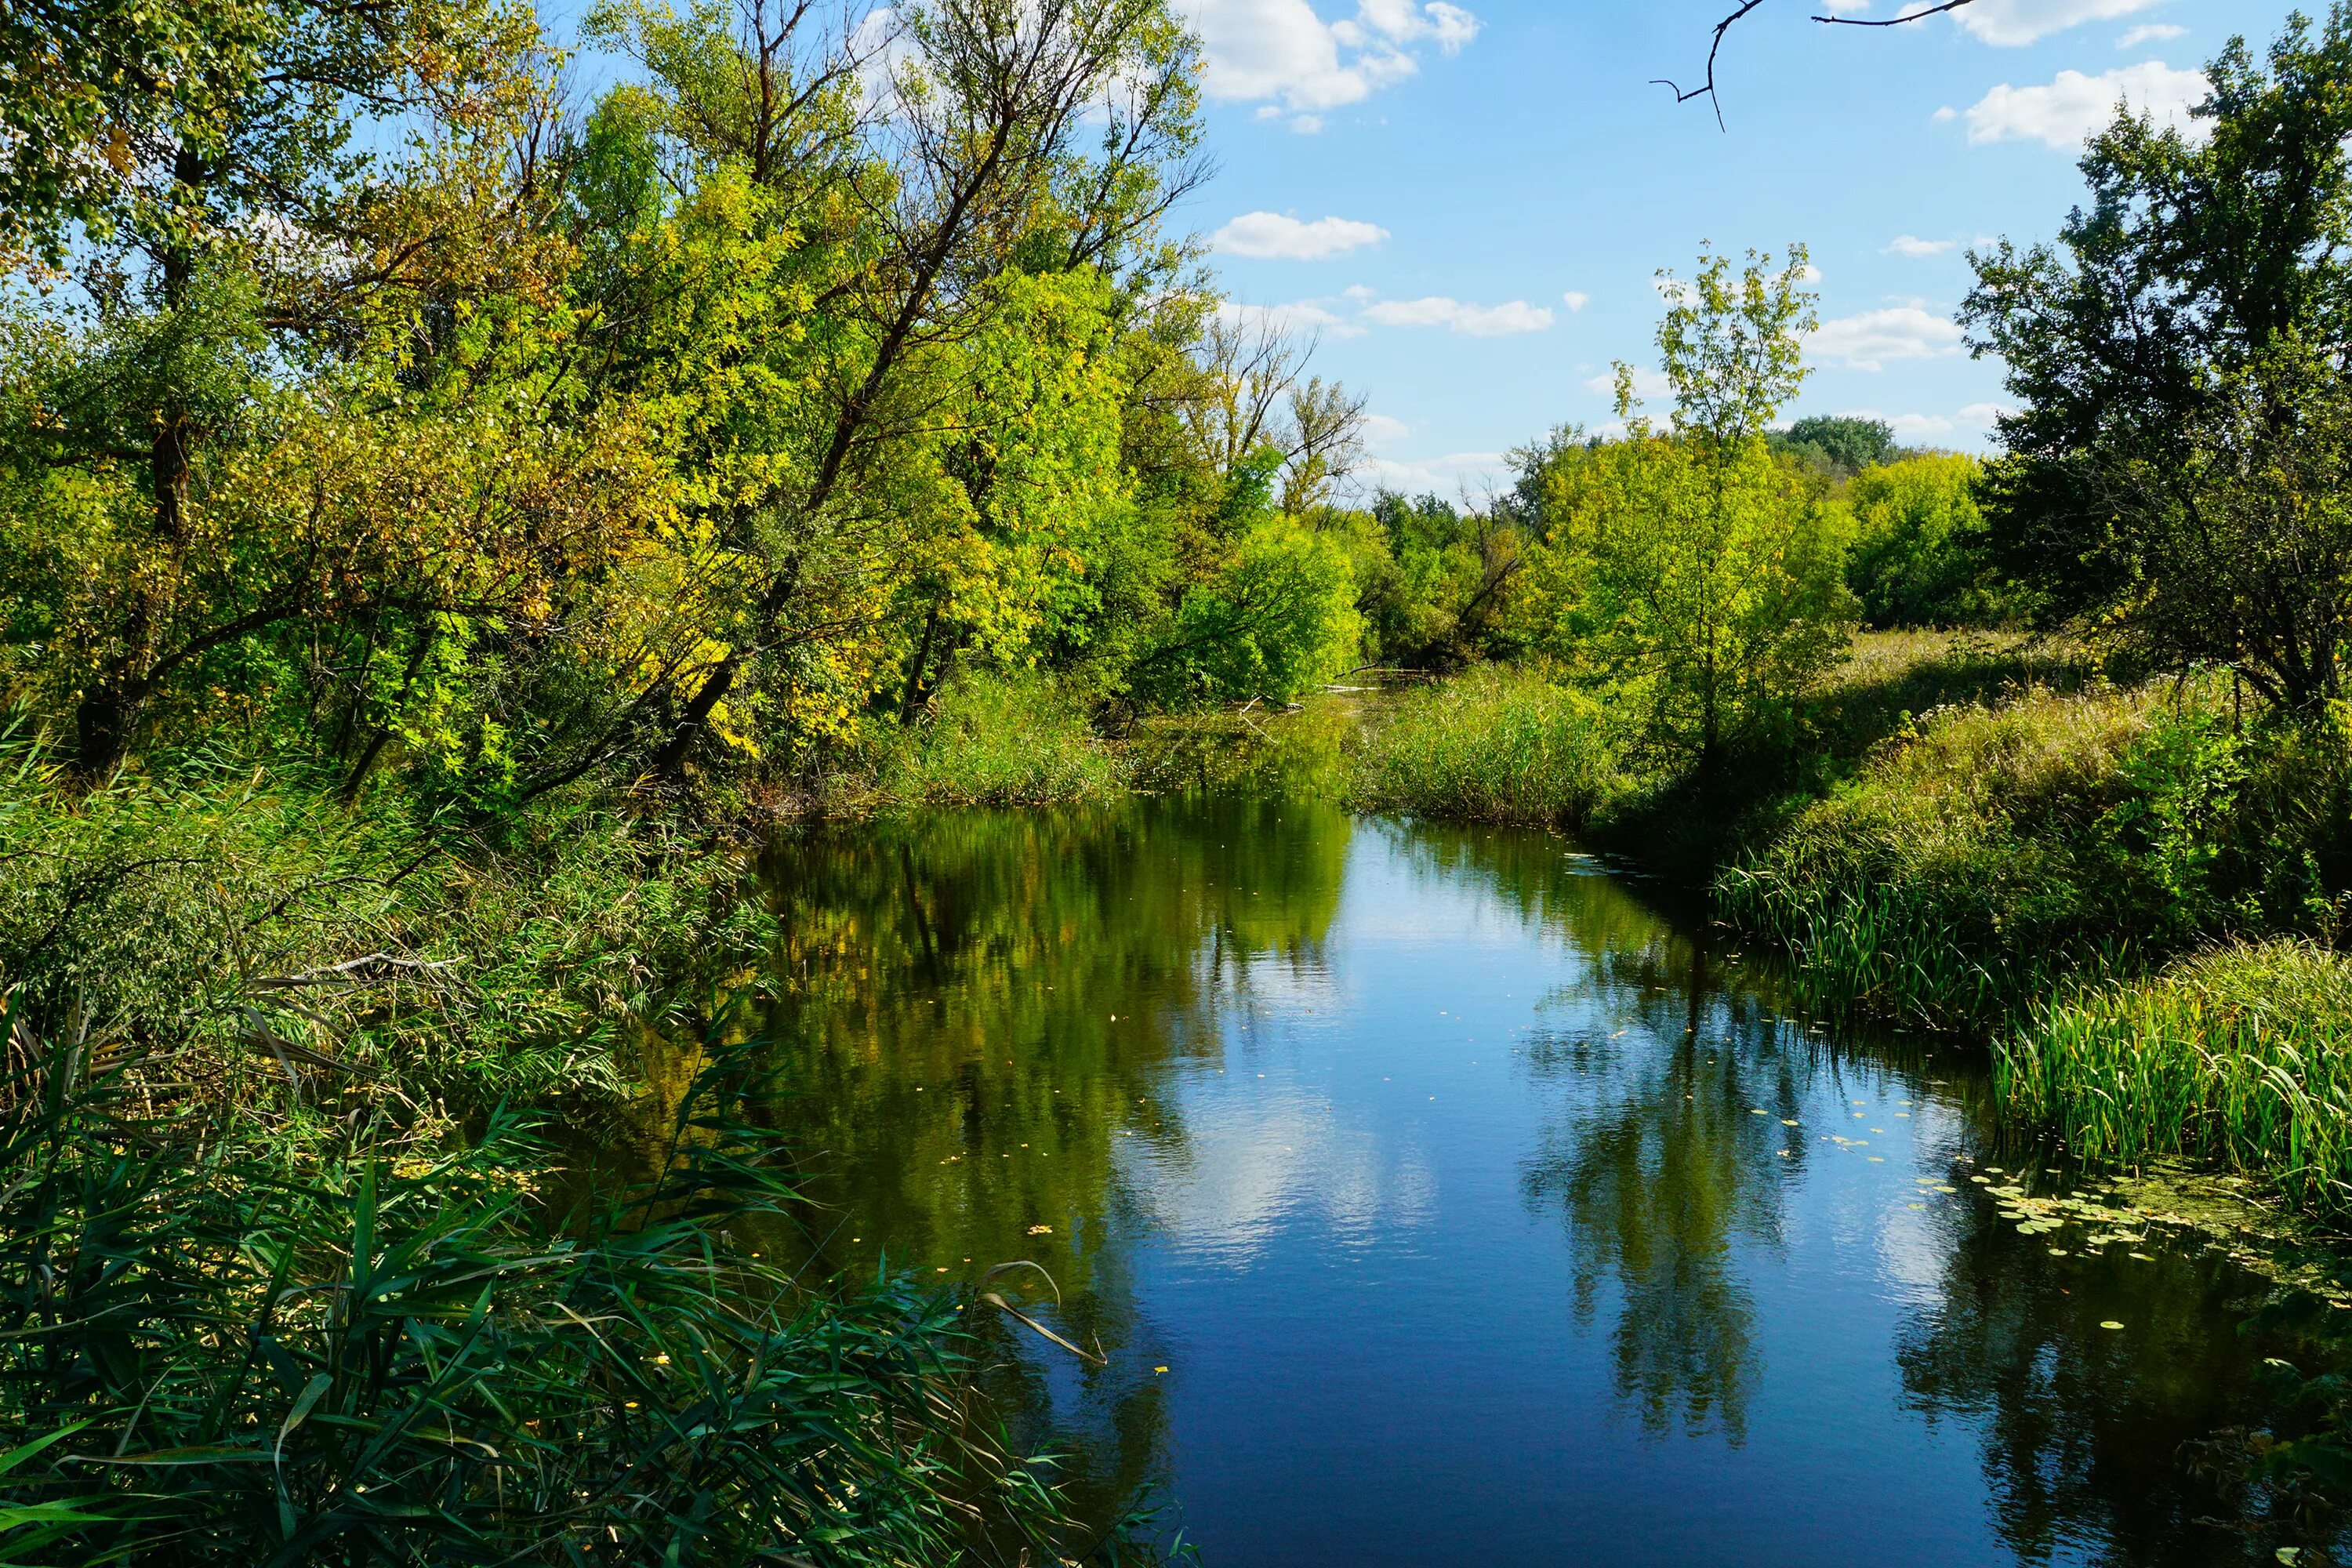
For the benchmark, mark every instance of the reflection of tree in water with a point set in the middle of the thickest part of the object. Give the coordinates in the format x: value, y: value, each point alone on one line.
x: 2085, y: 1426
x: 1656, y: 1158
x: 974, y: 1012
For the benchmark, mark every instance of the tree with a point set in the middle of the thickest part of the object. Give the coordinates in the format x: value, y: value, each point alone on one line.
x: 2205, y: 271
x: 983, y: 137
x: 1689, y: 565
x: 2239, y: 544
x: 1841, y: 444
x: 1918, y: 553
x: 297, y: 183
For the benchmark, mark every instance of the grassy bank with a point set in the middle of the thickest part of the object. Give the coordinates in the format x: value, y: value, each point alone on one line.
x: 2240, y: 1056
x: 282, y: 1275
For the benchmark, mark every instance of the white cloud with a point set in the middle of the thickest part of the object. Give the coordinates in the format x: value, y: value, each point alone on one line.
x: 2009, y: 23
x: 1479, y: 475
x: 1476, y: 321
x: 2153, y: 33
x: 1846, y: 8
x: 1271, y: 236
x: 1906, y: 426
x: 1982, y: 416
x: 1898, y: 332
x: 1945, y: 114
x: 2065, y: 112
x: 1379, y: 430
x: 1281, y: 53
x: 1912, y: 245
x: 1305, y: 318
x: 1647, y: 383
x: 1576, y: 299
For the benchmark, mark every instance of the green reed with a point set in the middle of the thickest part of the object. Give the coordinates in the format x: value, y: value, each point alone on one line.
x: 2240, y: 1056
x: 1494, y: 744
x: 211, y: 1353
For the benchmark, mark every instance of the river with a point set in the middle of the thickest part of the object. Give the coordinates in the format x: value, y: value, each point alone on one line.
x: 1440, y: 1195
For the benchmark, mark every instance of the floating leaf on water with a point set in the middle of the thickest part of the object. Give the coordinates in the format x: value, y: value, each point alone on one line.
x: 2290, y: 1556
x: 1914, y: 1206
x: 1877, y: 1159
x: 2111, y: 1323
x: 1159, y: 1369
x: 2057, y: 1252
x: 1946, y: 1188
x: 1788, y: 1122
x: 2143, y: 1257
x: 1977, y: 1178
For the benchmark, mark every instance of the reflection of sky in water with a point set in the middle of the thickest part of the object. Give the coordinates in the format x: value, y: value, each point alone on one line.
x: 1457, y: 1193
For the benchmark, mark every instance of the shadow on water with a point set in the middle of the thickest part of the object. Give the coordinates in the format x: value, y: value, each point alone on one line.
x: 1678, y: 1272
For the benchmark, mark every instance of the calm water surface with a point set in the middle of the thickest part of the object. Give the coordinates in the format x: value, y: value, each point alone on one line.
x: 1436, y: 1197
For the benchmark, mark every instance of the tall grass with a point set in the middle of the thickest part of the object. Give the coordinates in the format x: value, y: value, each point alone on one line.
x: 1497, y: 745
x: 1007, y: 741
x: 2240, y: 1056
x: 240, y: 912
x: 1964, y: 870
x: 208, y: 1355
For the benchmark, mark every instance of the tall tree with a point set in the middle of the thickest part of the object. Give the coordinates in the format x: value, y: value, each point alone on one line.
x: 2207, y: 268
x: 1689, y: 563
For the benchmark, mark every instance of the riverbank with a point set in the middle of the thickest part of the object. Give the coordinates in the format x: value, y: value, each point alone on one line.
x: 276, y: 1196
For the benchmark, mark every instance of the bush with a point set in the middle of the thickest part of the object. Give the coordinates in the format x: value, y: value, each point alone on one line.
x: 2240, y: 1056
x: 1497, y: 745
x: 245, y: 918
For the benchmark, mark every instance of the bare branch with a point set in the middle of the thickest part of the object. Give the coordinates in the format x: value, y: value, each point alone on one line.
x: 1714, y: 47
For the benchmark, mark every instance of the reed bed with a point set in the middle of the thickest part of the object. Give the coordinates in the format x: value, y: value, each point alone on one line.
x: 1494, y: 745
x: 211, y: 1354
x: 2240, y: 1056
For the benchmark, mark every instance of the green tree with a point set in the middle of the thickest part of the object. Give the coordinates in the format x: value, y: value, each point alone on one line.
x: 1918, y: 553
x: 1839, y: 445
x: 2184, y: 311
x: 1691, y: 565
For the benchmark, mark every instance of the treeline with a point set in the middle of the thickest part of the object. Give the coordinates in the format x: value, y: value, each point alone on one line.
x: 365, y: 392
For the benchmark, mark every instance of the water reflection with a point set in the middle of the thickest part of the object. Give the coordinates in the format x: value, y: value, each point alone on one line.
x: 1423, y: 1153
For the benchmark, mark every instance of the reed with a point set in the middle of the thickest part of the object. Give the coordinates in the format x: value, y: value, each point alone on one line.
x: 2239, y: 1057
x: 209, y: 1355
x: 1008, y: 740
x: 1495, y: 744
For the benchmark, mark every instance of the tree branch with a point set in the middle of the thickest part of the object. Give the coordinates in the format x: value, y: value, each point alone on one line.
x: 1714, y: 47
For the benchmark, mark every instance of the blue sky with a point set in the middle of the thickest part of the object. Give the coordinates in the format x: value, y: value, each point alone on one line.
x: 1482, y: 162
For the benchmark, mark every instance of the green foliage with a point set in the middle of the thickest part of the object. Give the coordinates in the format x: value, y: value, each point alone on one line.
x: 1007, y: 741
x: 209, y: 908
x: 2240, y: 1058
x: 1695, y: 572
x: 214, y: 1359
x: 1916, y: 558
x: 1839, y: 445
x: 1997, y: 847
x: 1494, y: 745
x: 1279, y: 618
x: 2175, y: 463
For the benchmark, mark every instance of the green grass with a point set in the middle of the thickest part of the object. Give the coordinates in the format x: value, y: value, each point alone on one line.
x: 1958, y: 873
x: 2240, y: 1058
x: 211, y: 1354
x: 207, y: 909
x: 1006, y: 740
x: 1495, y: 744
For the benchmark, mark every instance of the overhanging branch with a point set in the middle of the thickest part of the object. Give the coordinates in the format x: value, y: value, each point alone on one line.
x: 1715, y: 46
